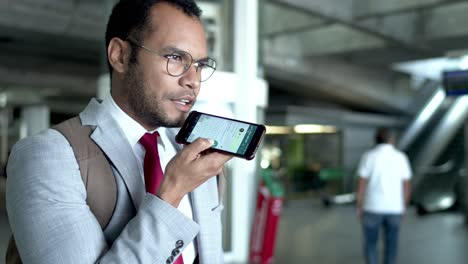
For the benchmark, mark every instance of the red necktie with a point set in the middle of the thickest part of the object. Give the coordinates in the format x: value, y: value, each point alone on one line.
x: 152, y: 168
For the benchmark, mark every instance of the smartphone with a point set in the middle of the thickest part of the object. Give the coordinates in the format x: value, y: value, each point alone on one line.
x: 234, y: 137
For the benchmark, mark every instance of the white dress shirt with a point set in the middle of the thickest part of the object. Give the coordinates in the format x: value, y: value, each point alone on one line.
x: 133, y: 132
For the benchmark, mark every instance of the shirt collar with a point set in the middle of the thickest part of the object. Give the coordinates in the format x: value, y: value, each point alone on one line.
x: 165, y: 141
x: 384, y: 145
x: 132, y: 130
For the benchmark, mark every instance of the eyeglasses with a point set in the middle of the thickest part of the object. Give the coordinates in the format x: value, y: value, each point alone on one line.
x: 179, y: 62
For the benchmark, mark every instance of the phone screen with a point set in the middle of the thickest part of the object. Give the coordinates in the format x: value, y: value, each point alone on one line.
x: 229, y: 135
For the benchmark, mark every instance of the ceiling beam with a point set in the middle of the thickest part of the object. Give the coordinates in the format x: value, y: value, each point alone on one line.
x: 85, y: 20
x: 401, y: 29
x: 447, y: 22
x: 276, y: 20
x: 47, y: 83
x: 332, y: 39
x: 343, y: 82
x: 434, y: 30
x: 378, y: 8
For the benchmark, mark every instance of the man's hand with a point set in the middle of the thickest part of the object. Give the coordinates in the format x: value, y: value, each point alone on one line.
x: 190, y: 168
x: 359, y: 211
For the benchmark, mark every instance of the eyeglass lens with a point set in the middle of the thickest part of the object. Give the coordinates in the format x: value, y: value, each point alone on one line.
x: 179, y: 62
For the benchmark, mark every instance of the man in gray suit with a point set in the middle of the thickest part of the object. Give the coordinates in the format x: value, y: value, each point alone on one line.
x: 158, y: 58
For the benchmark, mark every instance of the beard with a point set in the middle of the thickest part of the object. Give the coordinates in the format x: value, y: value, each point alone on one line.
x: 144, y: 105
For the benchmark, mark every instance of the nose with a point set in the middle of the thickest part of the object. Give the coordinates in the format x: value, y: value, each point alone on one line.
x: 191, y: 78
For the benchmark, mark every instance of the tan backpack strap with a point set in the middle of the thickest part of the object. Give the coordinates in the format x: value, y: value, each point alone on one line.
x: 96, y: 173
x: 12, y: 256
x: 95, y: 169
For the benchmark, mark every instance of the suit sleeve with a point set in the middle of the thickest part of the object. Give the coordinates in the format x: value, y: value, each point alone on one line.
x: 51, y: 222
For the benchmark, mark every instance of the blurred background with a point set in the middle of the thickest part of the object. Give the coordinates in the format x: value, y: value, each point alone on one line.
x: 322, y: 75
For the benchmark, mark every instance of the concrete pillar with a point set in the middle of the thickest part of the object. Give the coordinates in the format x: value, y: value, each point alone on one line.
x: 36, y: 118
x: 218, y: 96
x: 242, y: 95
x: 245, y: 108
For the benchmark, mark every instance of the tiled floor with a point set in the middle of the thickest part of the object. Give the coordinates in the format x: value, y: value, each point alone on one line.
x: 309, y: 233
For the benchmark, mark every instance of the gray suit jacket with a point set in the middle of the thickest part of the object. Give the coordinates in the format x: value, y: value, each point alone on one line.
x: 51, y: 222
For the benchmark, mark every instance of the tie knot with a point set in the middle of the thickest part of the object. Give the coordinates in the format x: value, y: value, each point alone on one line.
x: 150, y: 142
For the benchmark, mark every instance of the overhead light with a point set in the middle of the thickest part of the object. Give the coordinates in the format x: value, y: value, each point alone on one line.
x: 311, y: 129
x: 300, y: 129
x: 464, y: 63
x: 264, y: 164
x: 427, y: 68
x: 278, y: 130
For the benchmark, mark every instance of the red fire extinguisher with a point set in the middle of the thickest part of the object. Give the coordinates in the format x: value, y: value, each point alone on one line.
x: 267, y: 215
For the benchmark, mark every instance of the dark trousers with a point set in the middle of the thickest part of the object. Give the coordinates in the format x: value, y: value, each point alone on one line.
x: 372, y: 223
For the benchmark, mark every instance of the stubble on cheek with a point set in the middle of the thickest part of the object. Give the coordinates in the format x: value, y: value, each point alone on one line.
x: 150, y: 105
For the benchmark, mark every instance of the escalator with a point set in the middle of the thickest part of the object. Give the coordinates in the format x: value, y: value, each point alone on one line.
x: 418, y: 143
x: 436, y: 153
x: 439, y: 188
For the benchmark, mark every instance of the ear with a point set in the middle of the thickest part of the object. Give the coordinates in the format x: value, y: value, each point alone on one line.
x: 118, y: 53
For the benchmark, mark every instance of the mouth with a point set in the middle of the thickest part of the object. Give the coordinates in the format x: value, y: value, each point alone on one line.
x: 184, y: 104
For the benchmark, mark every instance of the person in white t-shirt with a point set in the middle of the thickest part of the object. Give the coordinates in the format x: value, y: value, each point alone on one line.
x: 383, y: 194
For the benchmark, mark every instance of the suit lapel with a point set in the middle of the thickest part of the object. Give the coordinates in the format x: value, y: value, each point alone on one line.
x: 201, y: 213
x: 111, y: 139
x: 207, y: 215
x: 204, y: 213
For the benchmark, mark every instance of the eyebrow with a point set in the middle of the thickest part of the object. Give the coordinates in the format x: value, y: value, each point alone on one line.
x: 175, y: 49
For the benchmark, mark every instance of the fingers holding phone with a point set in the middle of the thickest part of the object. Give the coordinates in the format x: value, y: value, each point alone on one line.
x: 202, y: 158
x: 191, y: 167
x: 199, y: 153
x: 233, y: 137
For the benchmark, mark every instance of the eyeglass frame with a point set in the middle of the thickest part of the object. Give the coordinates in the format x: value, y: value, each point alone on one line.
x: 186, y: 67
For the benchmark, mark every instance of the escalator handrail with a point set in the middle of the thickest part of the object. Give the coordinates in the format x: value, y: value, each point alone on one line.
x: 440, y: 169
